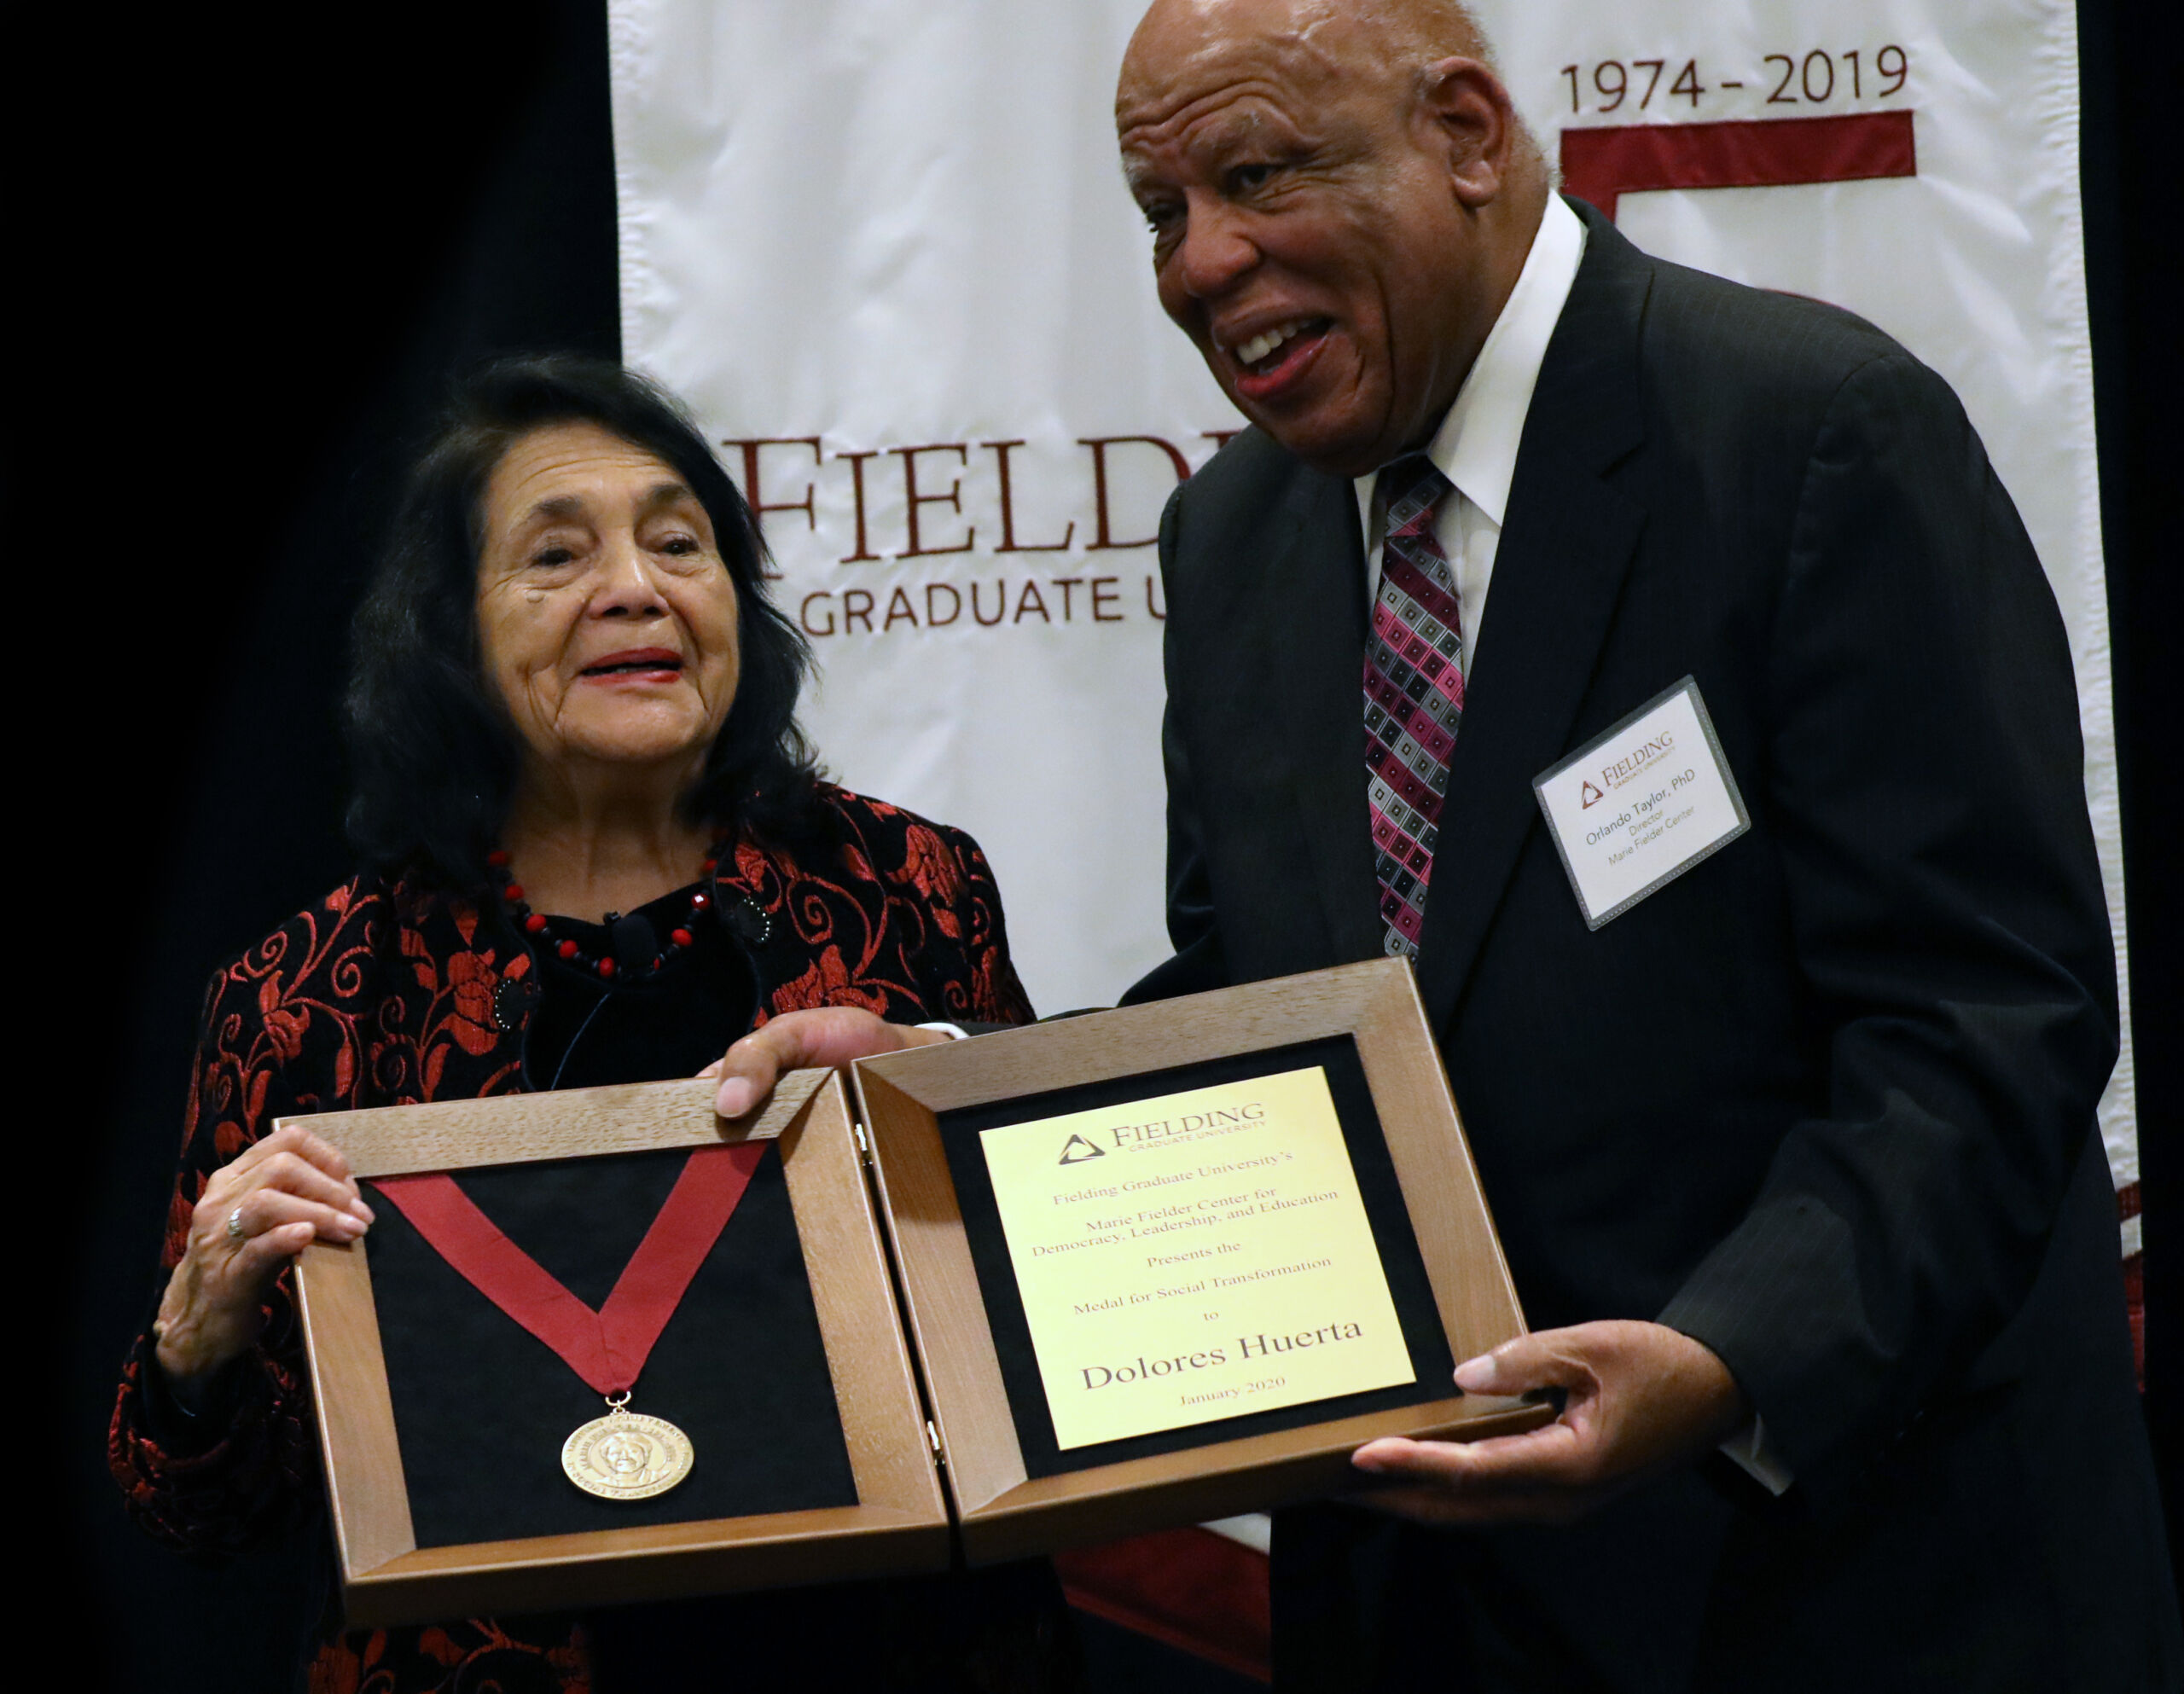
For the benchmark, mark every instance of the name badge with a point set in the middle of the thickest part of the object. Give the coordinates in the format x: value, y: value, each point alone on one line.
x: 1635, y: 809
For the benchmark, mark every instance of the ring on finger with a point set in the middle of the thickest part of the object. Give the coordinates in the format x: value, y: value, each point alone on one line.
x: 234, y: 1225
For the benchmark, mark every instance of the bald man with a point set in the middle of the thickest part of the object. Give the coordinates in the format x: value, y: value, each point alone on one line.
x: 1794, y: 1156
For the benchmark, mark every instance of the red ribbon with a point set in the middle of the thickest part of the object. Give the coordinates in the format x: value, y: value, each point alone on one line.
x: 606, y: 1347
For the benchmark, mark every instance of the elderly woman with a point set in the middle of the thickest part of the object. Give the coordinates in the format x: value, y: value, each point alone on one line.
x: 596, y: 852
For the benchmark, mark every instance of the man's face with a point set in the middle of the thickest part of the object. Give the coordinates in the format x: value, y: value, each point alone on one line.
x: 1308, y: 235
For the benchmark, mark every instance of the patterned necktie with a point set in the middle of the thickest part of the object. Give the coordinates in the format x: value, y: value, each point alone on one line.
x: 1414, y: 695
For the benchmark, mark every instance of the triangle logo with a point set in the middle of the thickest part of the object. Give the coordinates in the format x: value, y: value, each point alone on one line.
x: 1592, y: 797
x: 1076, y: 1149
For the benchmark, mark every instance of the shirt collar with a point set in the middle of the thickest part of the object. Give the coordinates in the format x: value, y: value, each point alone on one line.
x: 1476, y: 445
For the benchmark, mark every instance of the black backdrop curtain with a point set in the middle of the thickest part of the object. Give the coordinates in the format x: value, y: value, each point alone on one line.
x: 285, y: 247
x: 253, y: 258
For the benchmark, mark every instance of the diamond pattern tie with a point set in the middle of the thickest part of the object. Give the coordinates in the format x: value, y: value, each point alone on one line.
x: 1414, y: 696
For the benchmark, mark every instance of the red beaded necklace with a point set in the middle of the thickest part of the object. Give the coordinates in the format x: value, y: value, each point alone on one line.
x: 537, y: 926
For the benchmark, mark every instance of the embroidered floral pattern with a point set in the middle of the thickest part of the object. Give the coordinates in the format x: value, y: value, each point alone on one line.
x: 469, y: 1657
x: 387, y: 995
x: 826, y: 983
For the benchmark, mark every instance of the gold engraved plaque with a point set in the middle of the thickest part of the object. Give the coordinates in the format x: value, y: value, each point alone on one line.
x: 1200, y: 1256
x: 626, y: 1455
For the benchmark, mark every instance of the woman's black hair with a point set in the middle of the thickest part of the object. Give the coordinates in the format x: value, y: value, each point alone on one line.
x: 433, y: 756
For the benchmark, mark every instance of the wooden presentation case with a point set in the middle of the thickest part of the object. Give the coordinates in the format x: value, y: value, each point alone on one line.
x: 932, y: 1445
x: 901, y: 1522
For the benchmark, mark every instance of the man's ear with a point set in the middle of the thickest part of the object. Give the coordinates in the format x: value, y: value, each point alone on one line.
x: 1474, y: 124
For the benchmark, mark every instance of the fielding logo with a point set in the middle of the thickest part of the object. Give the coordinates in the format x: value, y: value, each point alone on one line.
x: 1592, y: 797
x: 1076, y: 1149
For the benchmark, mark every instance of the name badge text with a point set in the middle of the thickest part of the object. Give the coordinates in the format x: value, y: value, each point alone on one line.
x: 1635, y: 807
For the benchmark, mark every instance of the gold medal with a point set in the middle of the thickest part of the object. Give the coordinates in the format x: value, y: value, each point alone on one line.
x: 626, y: 1455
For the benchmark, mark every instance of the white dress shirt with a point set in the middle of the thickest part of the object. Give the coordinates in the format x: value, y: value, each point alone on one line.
x: 1476, y: 445
x: 1475, y: 449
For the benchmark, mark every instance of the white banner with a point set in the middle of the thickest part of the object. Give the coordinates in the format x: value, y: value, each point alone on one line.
x: 884, y: 248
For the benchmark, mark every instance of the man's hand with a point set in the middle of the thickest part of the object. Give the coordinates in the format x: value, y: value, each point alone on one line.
x: 1642, y: 1399
x: 795, y: 1041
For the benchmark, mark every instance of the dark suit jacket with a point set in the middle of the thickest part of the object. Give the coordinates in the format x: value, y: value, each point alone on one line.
x: 1825, y: 1102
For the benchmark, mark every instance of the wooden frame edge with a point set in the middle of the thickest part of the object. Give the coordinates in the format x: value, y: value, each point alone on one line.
x: 367, y: 1496
x: 1232, y: 1478
x: 628, y: 1117
x: 858, y: 1318
x: 961, y: 1369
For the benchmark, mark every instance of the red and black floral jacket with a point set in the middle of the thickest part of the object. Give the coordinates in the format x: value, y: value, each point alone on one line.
x: 387, y: 994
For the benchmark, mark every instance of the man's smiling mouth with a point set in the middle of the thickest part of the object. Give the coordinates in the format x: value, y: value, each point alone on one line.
x: 1263, y: 353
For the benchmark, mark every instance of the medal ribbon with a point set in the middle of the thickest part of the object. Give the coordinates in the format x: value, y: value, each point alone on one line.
x: 606, y: 1347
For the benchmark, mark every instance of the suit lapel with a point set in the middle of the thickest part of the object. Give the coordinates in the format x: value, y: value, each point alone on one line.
x: 1566, y: 544
x: 1318, y: 582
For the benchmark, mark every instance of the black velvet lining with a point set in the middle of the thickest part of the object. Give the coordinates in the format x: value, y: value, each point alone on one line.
x: 481, y: 1406
x: 1337, y: 1058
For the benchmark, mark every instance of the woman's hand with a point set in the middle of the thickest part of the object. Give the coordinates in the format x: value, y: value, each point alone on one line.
x: 796, y: 1041
x: 255, y: 1214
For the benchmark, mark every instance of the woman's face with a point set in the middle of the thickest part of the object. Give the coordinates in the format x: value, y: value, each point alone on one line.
x: 606, y: 618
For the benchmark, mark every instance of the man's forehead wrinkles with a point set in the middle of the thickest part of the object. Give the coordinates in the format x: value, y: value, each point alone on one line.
x: 1209, y: 120
x: 1225, y: 126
